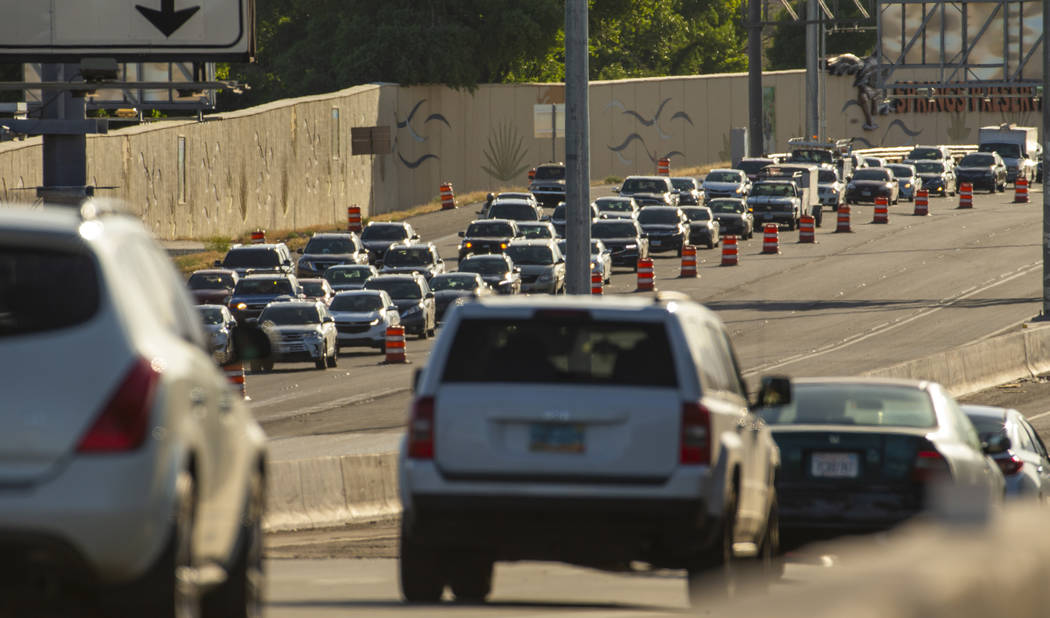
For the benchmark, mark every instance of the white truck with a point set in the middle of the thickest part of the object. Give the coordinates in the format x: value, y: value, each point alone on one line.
x: 1018, y: 146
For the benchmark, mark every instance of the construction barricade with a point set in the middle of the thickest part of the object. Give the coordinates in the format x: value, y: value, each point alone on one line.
x: 395, y: 344
x: 663, y: 167
x: 771, y: 238
x: 966, y: 195
x: 807, y: 232
x: 235, y: 375
x: 842, y: 224
x: 646, y: 275
x: 688, y: 262
x: 353, y: 219
x: 596, y: 283
x: 448, y: 197
x: 882, y: 210
x: 1021, y: 190
x: 922, y: 203
x: 729, y: 251
x: 258, y: 237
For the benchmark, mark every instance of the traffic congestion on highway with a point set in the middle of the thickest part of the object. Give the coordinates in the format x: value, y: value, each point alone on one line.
x: 707, y: 425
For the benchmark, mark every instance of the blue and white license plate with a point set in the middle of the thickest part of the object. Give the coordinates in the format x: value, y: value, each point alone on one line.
x: 556, y: 438
x: 866, y: 193
x: 835, y: 465
x: 657, y: 242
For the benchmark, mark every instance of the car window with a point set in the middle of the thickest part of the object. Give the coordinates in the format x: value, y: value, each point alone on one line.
x: 683, y: 184
x: 653, y: 215
x: 329, y: 246
x: 263, y: 286
x: 827, y: 176
x: 347, y: 275
x: 774, y: 190
x: 854, y: 404
x: 723, y: 177
x: 697, y: 214
x: 613, y: 205
x: 1037, y: 441
x: 550, y: 173
x: 535, y: 231
x: 384, y: 232
x: 614, y: 229
x: 249, y: 257
x: 290, y: 314
x: 408, y: 256
x: 977, y: 160
x: 1027, y: 441
x: 929, y: 167
x: 987, y: 426
x: 210, y: 281
x: 357, y: 302
x: 489, y: 229
x: 210, y: 315
x: 901, y: 171
x: 507, y: 210
x: 561, y: 349
x: 453, y: 282
x: 44, y: 290
x: 396, y: 287
x: 528, y: 254
x: 313, y: 288
x: 483, y: 266
x: 726, y: 207
x: 871, y: 174
x: 644, y: 185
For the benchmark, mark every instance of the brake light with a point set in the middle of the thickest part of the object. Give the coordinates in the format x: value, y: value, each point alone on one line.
x: 123, y: 423
x: 421, y: 429
x: 695, y: 445
x: 1010, y: 465
x: 929, y: 466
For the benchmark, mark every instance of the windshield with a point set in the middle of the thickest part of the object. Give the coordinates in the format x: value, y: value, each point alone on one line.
x: 559, y: 212
x: 527, y: 254
x: 210, y: 315
x: 854, y: 404
x: 535, y: 231
x: 336, y: 276
x: 697, y: 214
x: 811, y: 156
x: 550, y: 172
x: 396, y: 287
x: 827, y: 176
x: 211, y: 281
x: 776, y: 190
x: 871, y: 174
x: 683, y: 184
x: 483, y: 266
x: 497, y: 230
x: 644, y: 185
x: 513, y: 211
x: 657, y: 215
x: 929, y: 167
x: 918, y: 154
x: 723, y: 177
x: 274, y: 287
x: 408, y: 256
x: 44, y: 290
x: 329, y: 245
x: 977, y: 160
x: 612, y: 205
x: 1010, y: 151
x: 988, y: 426
x: 384, y: 232
x: 901, y: 171
x: 248, y: 257
x: 725, y: 206
x: 359, y: 303
x: 283, y: 314
x: 614, y: 229
x: 753, y: 167
x: 314, y: 289
x: 453, y: 282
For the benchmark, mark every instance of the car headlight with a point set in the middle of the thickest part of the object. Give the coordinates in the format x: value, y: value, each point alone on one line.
x: 314, y: 336
x: 907, y: 185
x: 468, y: 245
x: 738, y: 190
x: 242, y: 306
x: 632, y: 246
x: 375, y: 322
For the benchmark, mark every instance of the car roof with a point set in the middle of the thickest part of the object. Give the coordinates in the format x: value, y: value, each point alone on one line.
x: 313, y: 280
x: 349, y: 266
x: 386, y: 224
x: 255, y: 276
x: 657, y: 208
x: 255, y: 246
x: 214, y: 271
x: 412, y: 245
x: 512, y: 200
x: 738, y: 200
x: 866, y: 381
x: 647, y: 307
x: 359, y: 293
x: 54, y: 219
x: 550, y: 165
x: 331, y: 235
x: 648, y: 177
x: 382, y: 276
x: 485, y: 256
x: 529, y: 223
x: 494, y: 220
x: 532, y: 242
x: 725, y: 169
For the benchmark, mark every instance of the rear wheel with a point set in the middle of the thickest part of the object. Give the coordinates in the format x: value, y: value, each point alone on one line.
x: 471, y: 578
x: 267, y: 365
x: 240, y: 596
x: 713, y: 575
x: 333, y: 360
x: 322, y: 363
x: 421, y: 575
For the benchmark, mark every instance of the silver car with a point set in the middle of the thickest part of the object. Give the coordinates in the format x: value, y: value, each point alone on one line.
x: 218, y: 324
x: 299, y: 330
x: 362, y: 317
x: 349, y: 276
x: 601, y: 258
x: 542, y: 265
x: 141, y: 475
x: 1025, y: 464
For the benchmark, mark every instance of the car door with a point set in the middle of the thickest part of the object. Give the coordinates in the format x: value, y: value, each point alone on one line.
x: 1038, y: 457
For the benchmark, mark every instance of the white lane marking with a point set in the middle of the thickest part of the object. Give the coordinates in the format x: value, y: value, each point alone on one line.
x: 331, y: 404
x: 882, y: 329
x: 1032, y: 418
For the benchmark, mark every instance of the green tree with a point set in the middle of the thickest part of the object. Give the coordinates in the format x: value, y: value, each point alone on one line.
x: 787, y: 48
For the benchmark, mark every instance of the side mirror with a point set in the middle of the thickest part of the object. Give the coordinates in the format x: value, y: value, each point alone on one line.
x: 287, y: 262
x: 616, y: 189
x: 462, y: 234
x: 392, y: 308
x: 996, y: 444
x: 775, y: 391
x: 517, y: 269
x: 415, y: 236
x: 545, y: 218
x: 430, y: 295
x: 327, y: 319
x: 299, y: 250
x: 217, y: 263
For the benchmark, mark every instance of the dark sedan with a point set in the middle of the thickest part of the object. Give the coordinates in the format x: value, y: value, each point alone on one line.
x: 936, y: 177
x: 487, y: 236
x: 378, y: 236
x: 498, y: 271
x: 213, y: 286
x: 458, y: 287
x: 688, y: 190
x: 624, y: 238
x: 704, y: 229
x: 665, y: 226
x: 733, y: 216
x: 983, y: 170
x: 871, y: 182
x: 863, y: 454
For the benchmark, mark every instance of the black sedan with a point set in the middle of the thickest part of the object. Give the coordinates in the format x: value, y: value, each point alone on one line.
x: 983, y: 170
x: 703, y: 227
x: 863, y: 454
x: 733, y: 216
x: 688, y: 191
x: 665, y: 227
x: 452, y: 288
x: 498, y: 271
x: 624, y: 239
x: 936, y: 177
x: 487, y: 236
x: 871, y: 182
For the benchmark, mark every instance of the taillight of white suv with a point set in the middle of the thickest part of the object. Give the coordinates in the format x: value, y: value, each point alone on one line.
x: 124, y: 421
x: 421, y: 429
x: 695, y: 447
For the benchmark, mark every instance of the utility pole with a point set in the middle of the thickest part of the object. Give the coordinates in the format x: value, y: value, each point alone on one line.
x: 754, y: 79
x: 1046, y: 160
x: 812, y: 84
x: 64, y: 150
x: 577, y: 151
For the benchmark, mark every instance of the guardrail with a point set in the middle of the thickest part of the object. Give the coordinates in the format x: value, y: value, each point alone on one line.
x: 893, y: 154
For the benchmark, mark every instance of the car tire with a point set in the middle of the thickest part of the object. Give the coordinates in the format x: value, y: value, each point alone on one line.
x: 255, y: 366
x: 322, y: 363
x: 333, y: 360
x: 711, y: 244
x: 713, y: 575
x: 420, y: 573
x: 161, y: 592
x: 772, y: 562
x: 470, y: 578
x: 241, y: 595
x: 267, y: 366
x: 423, y: 333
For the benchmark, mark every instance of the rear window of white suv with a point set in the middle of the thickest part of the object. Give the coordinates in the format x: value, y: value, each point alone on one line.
x: 565, y: 349
x: 43, y: 290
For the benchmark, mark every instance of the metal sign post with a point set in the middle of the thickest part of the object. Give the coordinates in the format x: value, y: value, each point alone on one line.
x: 577, y: 151
x: 1046, y: 162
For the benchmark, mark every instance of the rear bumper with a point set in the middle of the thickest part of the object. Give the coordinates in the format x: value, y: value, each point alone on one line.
x: 658, y: 244
x: 809, y: 514
x: 549, y: 199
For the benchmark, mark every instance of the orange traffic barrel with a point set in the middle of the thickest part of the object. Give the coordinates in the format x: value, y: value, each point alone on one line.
x: 882, y: 210
x: 966, y: 195
x: 807, y: 232
x: 235, y: 375
x: 596, y: 283
x: 258, y: 237
x: 395, y: 344
x: 688, y: 261
x: 922, y: 203
x: 729, y: 251
x: 1021, y: 190
x: 843, y: 219
x: 646, y: 275
x: 532, y: 174
x: 771, y: 238
x: 353, y: 219
x: 663, y: 166
x: 448, y: 197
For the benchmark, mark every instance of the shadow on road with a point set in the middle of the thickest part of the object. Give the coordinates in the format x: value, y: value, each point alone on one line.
x: 831, y: 307
x: 429, y: 607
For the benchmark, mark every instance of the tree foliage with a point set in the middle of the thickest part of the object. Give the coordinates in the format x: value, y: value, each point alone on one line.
x: 787, y: 49
x: 313, y: 46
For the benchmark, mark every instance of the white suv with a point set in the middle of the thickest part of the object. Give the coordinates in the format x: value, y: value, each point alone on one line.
x: 129, y: 467
x: 590, y: 431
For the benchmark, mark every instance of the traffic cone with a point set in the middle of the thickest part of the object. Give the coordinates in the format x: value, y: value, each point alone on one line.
x: 882, y: 210
x: 771, y: 239
x: 663, y: 167
x: 235, y: 374
x: 353, y: 219
x: 448, y: 197
x: 258, y: 237
x: 596, y: 283
x: 729, y: 251
x: 688, y: 262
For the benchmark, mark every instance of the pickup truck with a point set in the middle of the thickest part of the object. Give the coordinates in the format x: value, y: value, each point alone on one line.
x: 775, y: 201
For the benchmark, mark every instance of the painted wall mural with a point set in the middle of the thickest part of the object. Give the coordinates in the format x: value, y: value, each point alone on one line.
x: 647, y: 122
x: 406, y: 124
x: 505, y: 152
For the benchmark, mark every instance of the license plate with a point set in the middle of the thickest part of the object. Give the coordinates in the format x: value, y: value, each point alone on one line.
x: 835, y: 465
x: 556, y: 438
x: 865, y: 193
x: 657, y: 242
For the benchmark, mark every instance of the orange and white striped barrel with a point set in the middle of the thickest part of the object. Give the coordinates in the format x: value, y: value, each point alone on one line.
x: 882, y: 210
x: 532, y: 174
x: 966, y: 195
x: 353, y: 219
x: 842, y: 225
x: 395, y: 344
x: 646, y: 275
x: 771, y: 238
x: 922, y: 203
x: 663, y: 166
x: 1021, y: 190
x: 596, y: 283
x: 448, y: 197
x: 807, y: 232
x: 688, y: 262
x: 258, y: 237
x: 235, y: 374
x: 729, y: 251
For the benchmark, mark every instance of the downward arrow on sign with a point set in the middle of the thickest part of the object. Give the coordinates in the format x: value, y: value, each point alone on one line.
x: 167, y: 19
